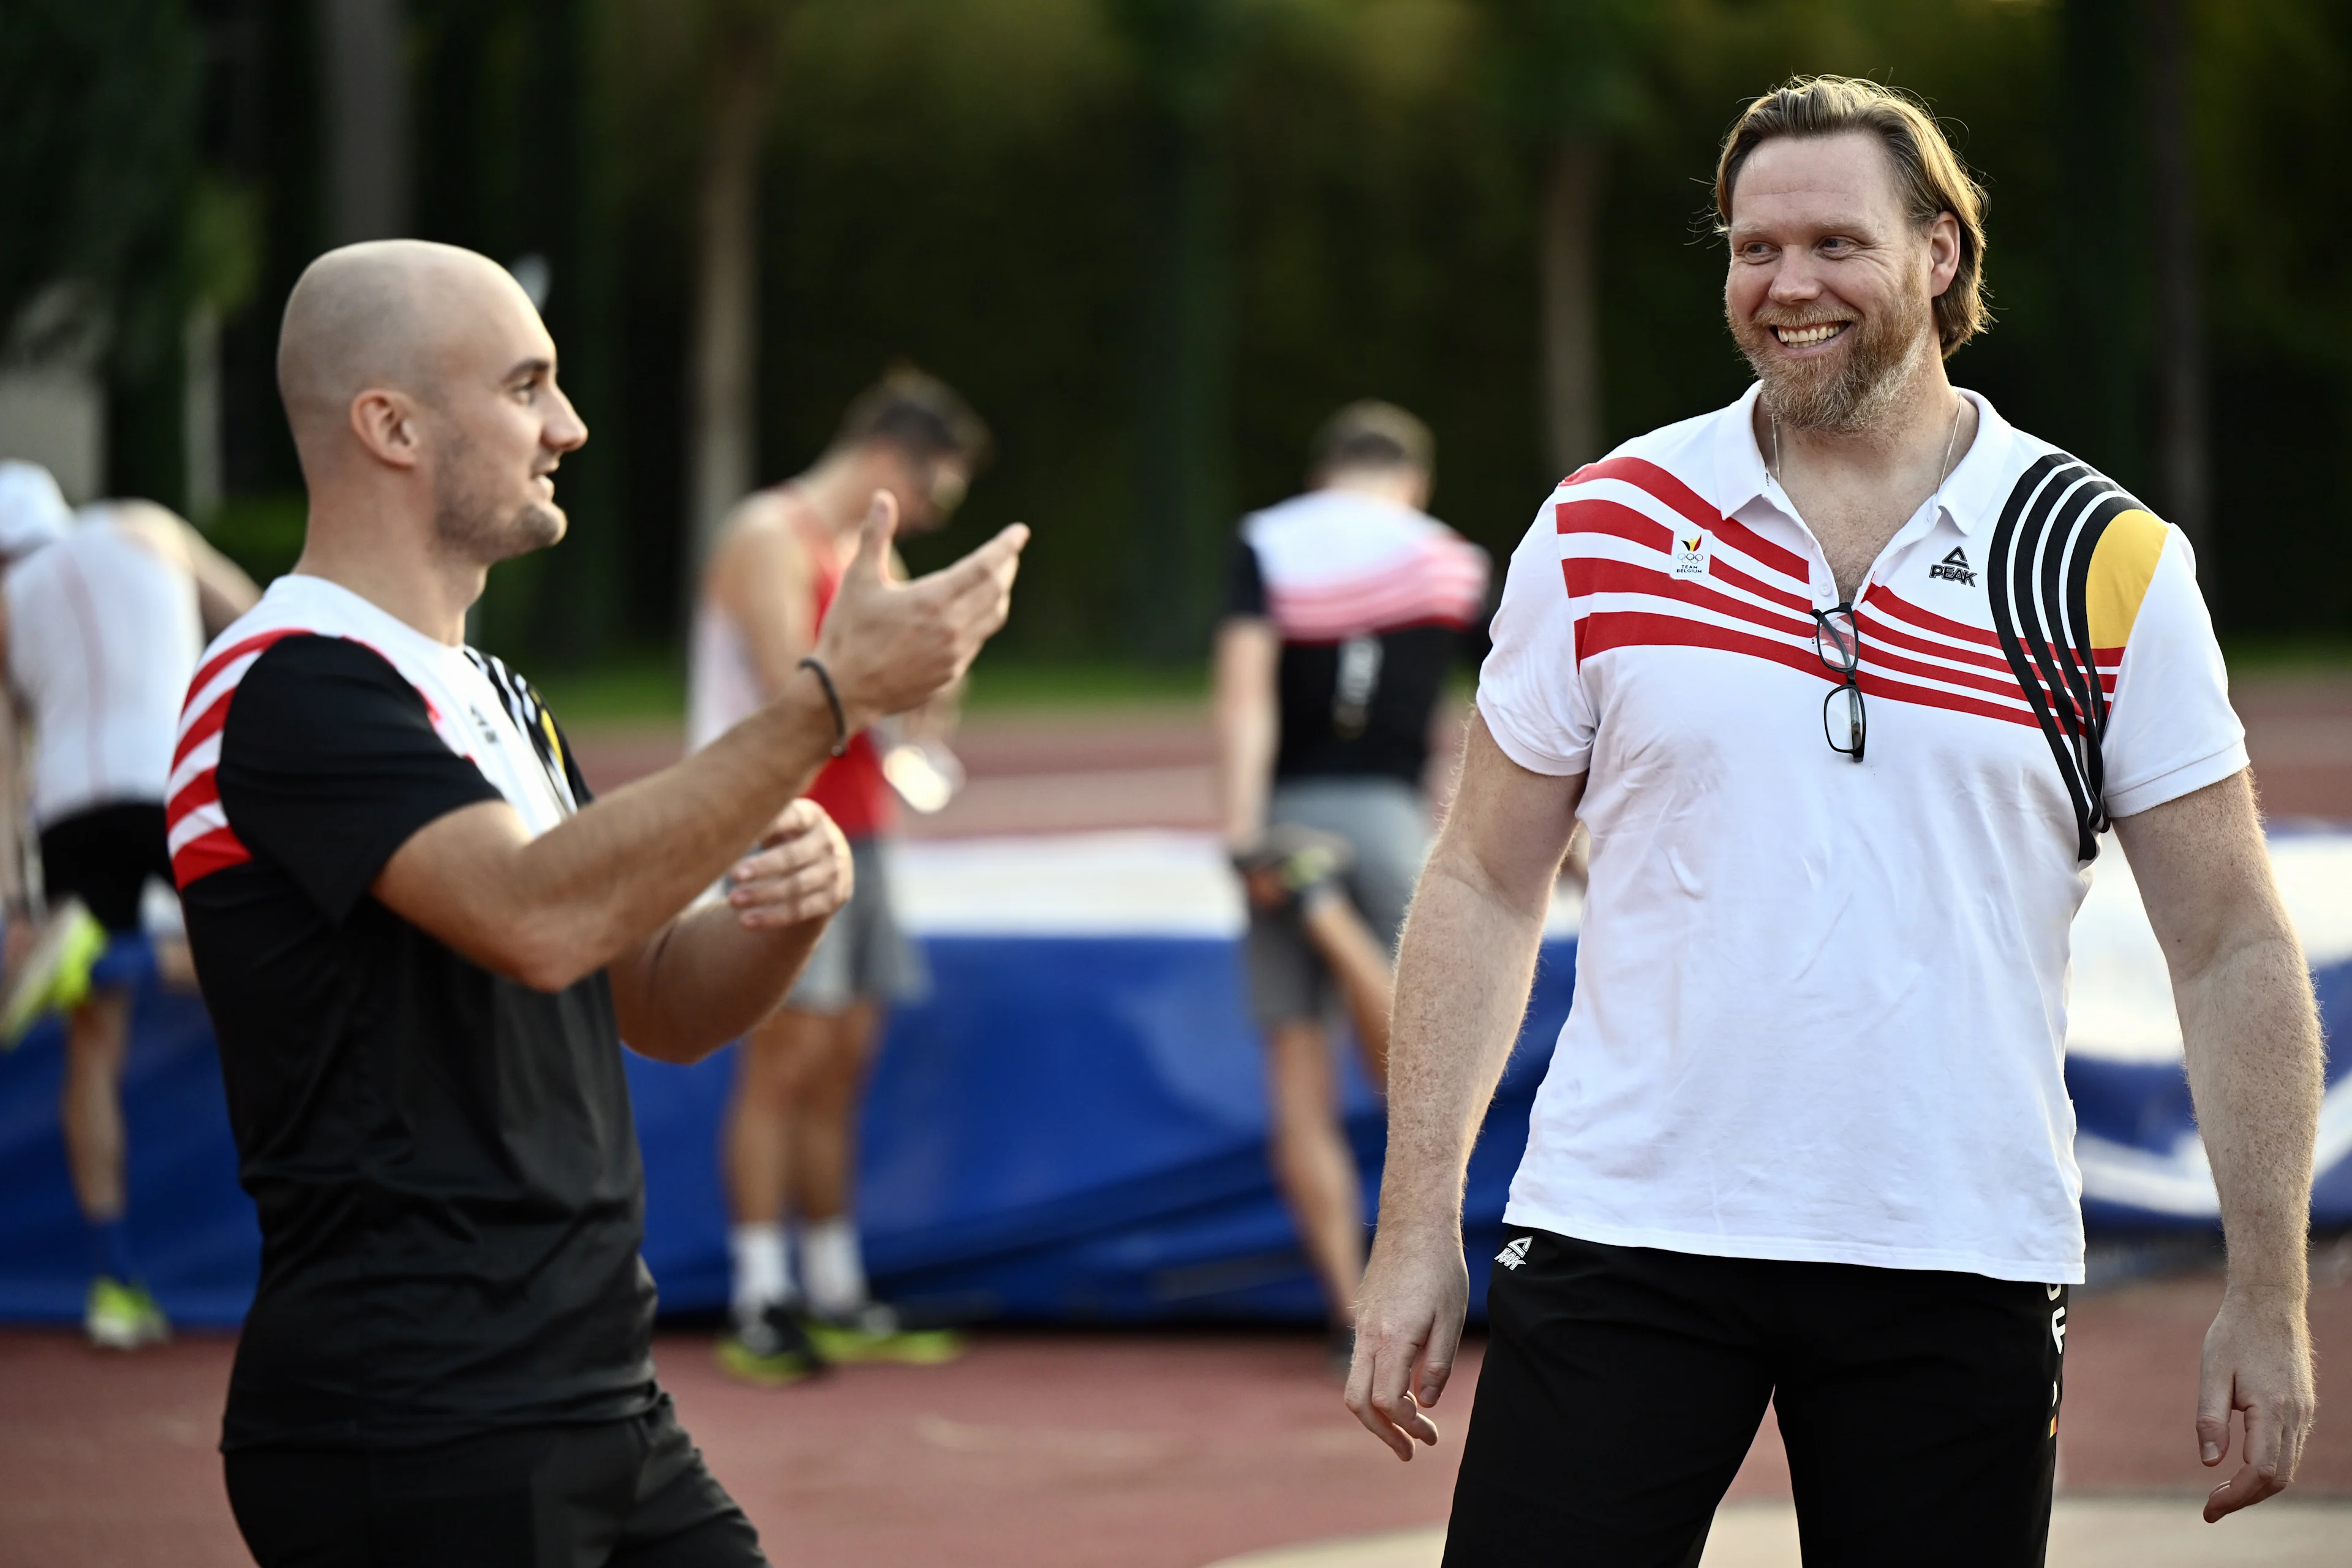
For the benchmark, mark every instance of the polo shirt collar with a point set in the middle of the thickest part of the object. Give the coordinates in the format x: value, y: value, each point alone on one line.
x: 1969, y: 497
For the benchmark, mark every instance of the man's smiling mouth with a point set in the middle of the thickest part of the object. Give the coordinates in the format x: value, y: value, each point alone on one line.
x: 1806, y: 337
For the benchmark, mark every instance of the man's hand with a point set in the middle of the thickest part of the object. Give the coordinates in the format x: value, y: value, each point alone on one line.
x: 801, y: 871
x: 2250, y: 1030
x: 893, y: 646
x: 1408, y: 1327
x: 2257, y: 1361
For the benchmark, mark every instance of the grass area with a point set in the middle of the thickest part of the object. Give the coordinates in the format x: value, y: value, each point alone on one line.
x: 2312, y: 654
x: 642, y: 689
x: 649, y: 687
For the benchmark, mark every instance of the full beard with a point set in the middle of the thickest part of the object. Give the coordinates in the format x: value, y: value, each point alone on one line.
x: 1844, y: 393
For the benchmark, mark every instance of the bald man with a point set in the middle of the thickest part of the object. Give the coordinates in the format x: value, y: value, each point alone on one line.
x: 422, y: 946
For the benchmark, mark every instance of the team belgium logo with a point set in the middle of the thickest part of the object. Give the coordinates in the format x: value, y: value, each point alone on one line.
x: 1690, y: 554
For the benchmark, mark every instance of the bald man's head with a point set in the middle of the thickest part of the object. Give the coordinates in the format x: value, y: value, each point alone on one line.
x: 378, y: 314
x: 425, y: 367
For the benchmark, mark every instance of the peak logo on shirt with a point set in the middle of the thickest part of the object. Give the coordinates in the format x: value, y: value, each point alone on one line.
x: 1690, y: 552
x: 1953, y: 568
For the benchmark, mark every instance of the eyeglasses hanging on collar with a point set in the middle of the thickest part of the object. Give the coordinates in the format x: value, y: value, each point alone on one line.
x: 1839, y: 642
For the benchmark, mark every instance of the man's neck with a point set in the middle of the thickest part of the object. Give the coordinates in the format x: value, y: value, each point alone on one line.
x: 421, y: 588
x: 1855, y: 489
x: 1398, y: 487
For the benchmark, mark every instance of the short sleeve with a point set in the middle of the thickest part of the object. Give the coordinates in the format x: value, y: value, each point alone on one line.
x: 1529, y: 689
x: 330, y: 762
x: 1244, y: 583
x: 2171, y: 728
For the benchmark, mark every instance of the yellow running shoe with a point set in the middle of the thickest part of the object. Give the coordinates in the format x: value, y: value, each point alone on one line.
x: 771, y: 1350
x: 873, y: 1334
x: 55, y: 975
x: 122, y: 1317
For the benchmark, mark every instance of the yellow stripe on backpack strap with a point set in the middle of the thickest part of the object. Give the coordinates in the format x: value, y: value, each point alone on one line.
x: 2121, y: 568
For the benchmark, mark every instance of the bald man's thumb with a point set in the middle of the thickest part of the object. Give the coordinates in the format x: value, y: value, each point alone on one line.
x: 874, y: 537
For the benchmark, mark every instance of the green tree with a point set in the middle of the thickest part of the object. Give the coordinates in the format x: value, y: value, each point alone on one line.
x: 96, y: 175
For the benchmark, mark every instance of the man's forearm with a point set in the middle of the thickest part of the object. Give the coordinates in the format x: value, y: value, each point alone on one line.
x: 1463, y: 975
x: 612, y: 875
x: 705, y: 980
x: 2252, y: 1036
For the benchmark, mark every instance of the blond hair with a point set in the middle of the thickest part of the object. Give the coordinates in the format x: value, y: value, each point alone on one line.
x: 1931, y: 178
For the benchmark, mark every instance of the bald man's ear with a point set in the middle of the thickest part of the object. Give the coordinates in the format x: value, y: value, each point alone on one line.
x: 386, y: 424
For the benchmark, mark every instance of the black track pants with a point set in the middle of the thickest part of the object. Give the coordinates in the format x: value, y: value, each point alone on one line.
x: 617, y: 1494
x: 1622, y: 1386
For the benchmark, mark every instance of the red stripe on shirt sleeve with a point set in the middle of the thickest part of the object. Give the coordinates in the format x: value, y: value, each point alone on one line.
x: 207, y: 852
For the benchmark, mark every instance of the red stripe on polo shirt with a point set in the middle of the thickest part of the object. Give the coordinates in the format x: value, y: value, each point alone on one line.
x: 1597, y: 514
x: 2004, y: 685
x: 1657, y: 481
x: 1921, y: 697
x: 1882, y: 597
x: 1718, y: 567
x: 1887, y: 629
x: 1605, y: 630
x: 1590, y: 574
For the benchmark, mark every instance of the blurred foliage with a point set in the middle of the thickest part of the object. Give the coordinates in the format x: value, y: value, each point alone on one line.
x: 1127, y: 228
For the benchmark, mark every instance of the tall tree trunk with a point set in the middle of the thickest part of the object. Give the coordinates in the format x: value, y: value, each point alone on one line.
x: 364, y: 47
x: 1571, y: 265
x: 1186, y: 360
x: 719, y: 401
x: 1187, y: 50
x: 2103, y: 273
x: 2183, y: 456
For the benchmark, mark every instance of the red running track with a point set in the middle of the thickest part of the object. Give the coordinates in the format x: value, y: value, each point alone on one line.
x: 1036, y: 1450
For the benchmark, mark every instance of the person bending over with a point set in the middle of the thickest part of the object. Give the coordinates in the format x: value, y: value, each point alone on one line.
x: 423, y: 945
x: 791, y: 1119
x: 1345, y: 610
x: 103, y: 614
x: 1847, y: 742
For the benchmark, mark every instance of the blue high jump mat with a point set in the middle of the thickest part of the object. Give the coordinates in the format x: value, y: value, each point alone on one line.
x: 1072, y: 1127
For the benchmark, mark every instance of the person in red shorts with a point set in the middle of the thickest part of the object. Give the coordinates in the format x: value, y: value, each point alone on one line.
x: 791, y: 1121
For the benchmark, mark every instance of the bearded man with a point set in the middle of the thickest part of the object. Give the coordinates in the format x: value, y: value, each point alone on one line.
x: 1847, y: 681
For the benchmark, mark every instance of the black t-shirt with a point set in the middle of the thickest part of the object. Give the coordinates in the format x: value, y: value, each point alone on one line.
x: 444, y: 1160
x: 1355, y: 706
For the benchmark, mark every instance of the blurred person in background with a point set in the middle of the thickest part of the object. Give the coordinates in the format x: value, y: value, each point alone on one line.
x: 1847, y: 741
x: 791, y: 1121
x: 105, y: 612
x: 1346, y: 608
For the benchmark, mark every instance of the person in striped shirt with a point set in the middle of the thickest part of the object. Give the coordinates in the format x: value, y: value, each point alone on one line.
x: 424, y: 943
x: 1849, y: 681
x: 1345, y: 609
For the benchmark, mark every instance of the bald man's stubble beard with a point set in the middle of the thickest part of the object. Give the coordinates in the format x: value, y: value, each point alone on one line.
x: 475, y: 528
x: 1847, y: 394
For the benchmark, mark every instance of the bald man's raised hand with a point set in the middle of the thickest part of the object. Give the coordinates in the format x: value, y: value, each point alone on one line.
x: 893, y: 646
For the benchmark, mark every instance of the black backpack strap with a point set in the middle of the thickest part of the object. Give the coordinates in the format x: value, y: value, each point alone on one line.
x: 2039, y: 577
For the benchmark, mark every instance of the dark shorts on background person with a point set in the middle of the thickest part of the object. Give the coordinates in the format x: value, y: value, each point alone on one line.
x: 1622, y: 1387
x: 1384, y: 821
x: 865, y: 955
x: 611, y: 1494
x: 104, y: 856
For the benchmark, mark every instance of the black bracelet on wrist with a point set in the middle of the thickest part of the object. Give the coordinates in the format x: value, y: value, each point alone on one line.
x: 833, y: 700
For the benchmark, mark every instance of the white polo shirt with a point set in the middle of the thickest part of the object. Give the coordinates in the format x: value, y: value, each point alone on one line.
x: 1820, y: 1006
